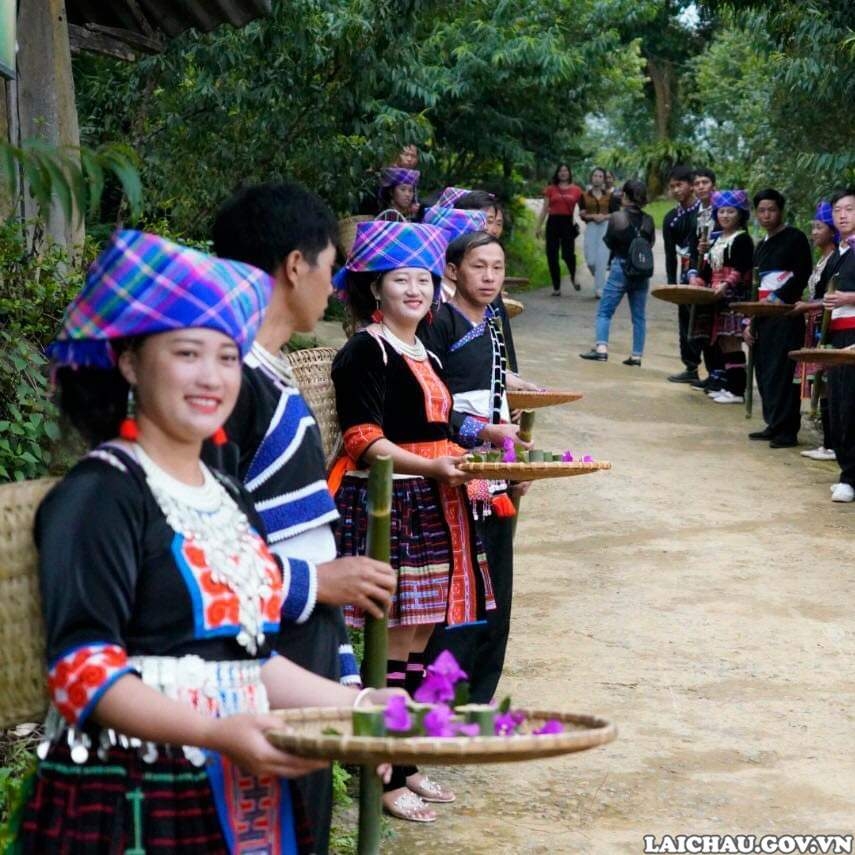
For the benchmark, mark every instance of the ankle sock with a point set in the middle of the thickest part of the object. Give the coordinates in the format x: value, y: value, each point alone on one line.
x: 396, y: 678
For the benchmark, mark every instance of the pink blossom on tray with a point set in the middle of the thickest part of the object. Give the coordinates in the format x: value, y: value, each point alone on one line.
x: 587, y: 459
x: 397, y: 716
x: 567, y: 457
x: 435, y: 689
x: 438, y: 721
x: 445, y: 665
x: 506, y: 724
x: 467, y: 730
x: 551, y: 726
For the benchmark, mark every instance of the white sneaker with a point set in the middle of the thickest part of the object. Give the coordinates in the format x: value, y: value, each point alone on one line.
x: 726, y: 397
x: 834, y: 486
x: 820, y: 453
x: 843, y: 493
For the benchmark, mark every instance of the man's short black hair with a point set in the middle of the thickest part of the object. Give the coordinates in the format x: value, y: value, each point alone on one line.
x: 703, y: 172
x: 842, y: 194
x: 478, y: 200
x: 261, y: 225
x: 461, y: 246
x: 770, y: 195
x: 682, y: 173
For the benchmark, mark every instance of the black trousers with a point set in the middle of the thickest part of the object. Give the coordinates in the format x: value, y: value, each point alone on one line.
x: 314, y: 646
x: 776, y: 337
x: 841, y: 409
x: 480, y: 650
x: 691, y: 349
x: 560, y: 235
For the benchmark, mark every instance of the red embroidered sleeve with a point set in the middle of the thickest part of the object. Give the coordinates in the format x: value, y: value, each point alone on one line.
x: 79, y: 677
x: 358, y: 438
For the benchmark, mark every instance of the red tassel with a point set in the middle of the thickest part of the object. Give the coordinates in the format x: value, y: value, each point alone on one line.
x: 129, y: 429
x: 430, y: 316
x: 503, y: 506
x: 377, y: 316
x: 220, y: 437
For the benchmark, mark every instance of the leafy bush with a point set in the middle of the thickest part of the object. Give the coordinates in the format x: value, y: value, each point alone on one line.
x: 524, y: 253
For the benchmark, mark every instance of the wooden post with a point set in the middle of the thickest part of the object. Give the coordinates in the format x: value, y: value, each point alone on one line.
x: 376, y: 644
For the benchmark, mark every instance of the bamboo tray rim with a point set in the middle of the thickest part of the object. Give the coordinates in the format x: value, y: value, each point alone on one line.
x: 532, y: 471
x: 526, y: 399
x: 513, y: 307
x: 827, y: 355
x: 685, y: 295
x: 760, y: 308
x: 590, y: 732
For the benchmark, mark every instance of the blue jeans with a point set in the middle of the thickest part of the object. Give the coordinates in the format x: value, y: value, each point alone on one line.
x: 617, y: 285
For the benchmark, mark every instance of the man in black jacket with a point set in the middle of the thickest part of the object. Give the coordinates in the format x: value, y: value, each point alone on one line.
x: 783, y: 259
x: 680, y: 235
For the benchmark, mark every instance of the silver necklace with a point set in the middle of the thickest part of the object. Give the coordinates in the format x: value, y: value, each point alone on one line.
x: 208, y: 517
x: 415, y: 351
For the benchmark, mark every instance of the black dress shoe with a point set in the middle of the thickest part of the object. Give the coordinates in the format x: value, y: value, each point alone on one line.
x: 700, y: 385
x: 761, y: 434
x: 633, y: 361
x: 595, y: 355
x: 687, y: 376
x: 783, y: 442
x: 556, y: 292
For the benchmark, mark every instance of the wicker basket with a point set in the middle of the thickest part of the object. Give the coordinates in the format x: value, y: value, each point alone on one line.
x: 531, y: 400
x: 513, y: 307
x: 828, y: 357
x: 22, y: 646
x: 686, y: 295
x: 347, y: 231
x: 305, y: 736
x: 761, y: 309
x: 500, y: 471
x: 312, y: 372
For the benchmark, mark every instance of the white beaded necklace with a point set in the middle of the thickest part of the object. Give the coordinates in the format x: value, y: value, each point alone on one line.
x: 210, y: 518
x: 415, y: 351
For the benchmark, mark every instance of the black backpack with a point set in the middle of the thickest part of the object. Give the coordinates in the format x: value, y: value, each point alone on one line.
x: 639, y: 257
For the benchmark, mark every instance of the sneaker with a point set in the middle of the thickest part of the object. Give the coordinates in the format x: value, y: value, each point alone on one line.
x: 598, y: 295
x: 635, y: 361
x: 725, y: 397
x: 687, y: 376
x: 576, y: 285
x: 843, y: 493
x: 821, y: 453
x: 595, y: 355
x: 556, y: 292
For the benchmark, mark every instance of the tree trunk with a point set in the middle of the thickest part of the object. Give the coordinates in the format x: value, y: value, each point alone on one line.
x: 661, y: 73
x: 46, y: 105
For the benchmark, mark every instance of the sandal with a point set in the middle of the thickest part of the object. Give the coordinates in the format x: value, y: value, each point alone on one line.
x: 408, y: 806
x: 430, y: 790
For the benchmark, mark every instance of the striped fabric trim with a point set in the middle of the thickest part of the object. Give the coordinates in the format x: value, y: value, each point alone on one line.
x: 300, y: 510
x: 302, y: 588
x: 359, y: 438
x: 348, y: 667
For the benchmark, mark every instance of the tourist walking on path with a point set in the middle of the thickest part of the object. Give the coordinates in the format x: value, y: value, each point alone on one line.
x: 841, y: 379
x: 625, y: 229
x: 824, y: 237
x: 594, y: 211
x: 560, y: 198
x: 784, y: 262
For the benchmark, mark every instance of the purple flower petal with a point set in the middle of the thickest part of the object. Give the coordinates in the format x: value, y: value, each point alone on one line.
x: 510, y: 456
x: 467, y: 730
x: 505, y: 724
x: 587, y: 459
x: 508, y: 443
x: 551, y: 726
x: 435, y: 689
x: 438, y: 721
x: 567, y: 457
x: 445, y: 665
x: 397, y: 716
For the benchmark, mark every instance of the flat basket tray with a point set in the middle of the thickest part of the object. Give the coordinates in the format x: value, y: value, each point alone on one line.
x: 515, y: 281
x: 761, y: 309
x: 513, y: 307
x: 530, y: 400
x: 686, y: 295
x: 824, y: 355
x: 499, y: 471
x: 306, y: 738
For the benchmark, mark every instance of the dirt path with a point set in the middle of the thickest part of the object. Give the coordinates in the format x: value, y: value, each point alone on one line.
x: 699, y: 595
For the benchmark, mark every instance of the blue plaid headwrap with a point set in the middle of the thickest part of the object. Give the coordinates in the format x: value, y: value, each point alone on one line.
x: 451, y: 195
x: 455, y: 222
x: 381, y: 245
x: 824, y: 215
x: 391, y: 176
x: 730, y: 199
x: 142, y: 284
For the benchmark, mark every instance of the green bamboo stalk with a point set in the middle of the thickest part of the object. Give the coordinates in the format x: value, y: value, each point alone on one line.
x: 376, y: 645
x: 819, y: 378
x: 525, y: 434
x: 749, y: 384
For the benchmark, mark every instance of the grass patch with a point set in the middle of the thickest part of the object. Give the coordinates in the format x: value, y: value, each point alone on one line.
x: 658, y: 209
x: 524, y: 253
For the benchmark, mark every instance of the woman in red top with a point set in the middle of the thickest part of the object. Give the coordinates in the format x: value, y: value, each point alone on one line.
x: 560, y: 199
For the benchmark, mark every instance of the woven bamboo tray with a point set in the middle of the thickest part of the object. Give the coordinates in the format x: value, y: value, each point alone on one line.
x: 23, y: 685
x: 686, y: 295
x: 828, y: 356
x: 347, y: 231
x: 513, y: 307
x: 530, y: 400
x: 761, y: 309
x: 500, y: 471
x: 516, y: 281
x: 312, y: 373
x: 306, y: 739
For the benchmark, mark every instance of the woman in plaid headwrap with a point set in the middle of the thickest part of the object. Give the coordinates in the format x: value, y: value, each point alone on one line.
x: 161, y: 599
x: 391, y: 401
x: 398, y: 188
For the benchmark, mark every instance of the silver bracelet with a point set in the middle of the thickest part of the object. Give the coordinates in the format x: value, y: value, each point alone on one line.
x: 360, y: 695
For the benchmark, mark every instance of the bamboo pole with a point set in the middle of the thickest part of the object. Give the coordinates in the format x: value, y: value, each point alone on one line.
x: 376, y: 645
x: 819, y: 379
x: 749, y: 385
x: 525, y: 434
